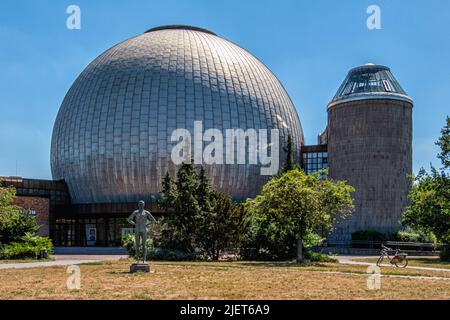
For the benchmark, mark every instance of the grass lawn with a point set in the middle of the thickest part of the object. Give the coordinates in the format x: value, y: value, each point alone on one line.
x: 222, y: 280
x: 432, y: 262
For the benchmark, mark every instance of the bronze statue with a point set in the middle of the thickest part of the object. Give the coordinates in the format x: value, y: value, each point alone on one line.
x: 140, y: 219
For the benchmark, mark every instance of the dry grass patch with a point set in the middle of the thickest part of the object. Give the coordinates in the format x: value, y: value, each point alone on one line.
x: 228, y: 280
x: 319, y: 267
x: 429, y: 262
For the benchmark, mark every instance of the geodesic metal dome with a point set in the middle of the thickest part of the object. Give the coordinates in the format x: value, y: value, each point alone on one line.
x: 111, y: 139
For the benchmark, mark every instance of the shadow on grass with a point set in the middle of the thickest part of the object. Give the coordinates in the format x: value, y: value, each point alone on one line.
x: 98, y: 263
x: 244, y: 264
x: 134, y: 274
x: 283, y: 264
x: 221, y: 264
x: 120, y: 272
x: 435, y: 261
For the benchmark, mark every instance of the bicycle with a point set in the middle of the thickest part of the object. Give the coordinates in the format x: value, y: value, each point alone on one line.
x: 400, y: 259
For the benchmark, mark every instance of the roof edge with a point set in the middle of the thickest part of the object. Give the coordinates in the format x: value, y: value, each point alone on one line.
x: 180, y: 27
x: 371, y: 96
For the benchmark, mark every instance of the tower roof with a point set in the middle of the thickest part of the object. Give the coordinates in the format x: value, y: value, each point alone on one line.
x: 369, y: 81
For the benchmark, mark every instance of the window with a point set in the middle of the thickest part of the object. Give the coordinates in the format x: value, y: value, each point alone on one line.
x: 387, y: 85
x: 314, y: 161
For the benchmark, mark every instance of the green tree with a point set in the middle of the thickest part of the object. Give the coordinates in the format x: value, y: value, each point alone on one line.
x: 204, y: 192
x: 184, y: 218
x: 429, y: 208
x: 13, y: 224
x: 444, y: 143
x: 197, y: 217
x: 168, y: 193
x: 268, y: 239
x: 223, y: 227
x: 335, y: 200
x: 303, y: 204
x: 7, y: 195
x: 290, y: 163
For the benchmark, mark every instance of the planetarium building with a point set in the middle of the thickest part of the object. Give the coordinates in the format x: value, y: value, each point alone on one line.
x: 112, y: 139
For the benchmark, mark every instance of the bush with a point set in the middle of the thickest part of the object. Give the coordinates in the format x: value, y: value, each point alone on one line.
x: 40, y: 243
x: 445, y: 253
x: 129, y: 244
x: 171, y: 255
x: 14, y: 225
x: 445, y: 250
x: 154, y: 253
x: 405, y: 235
x: 29, y: 247
x: 410, y: 235
x: 319, y: 257
x: 268, y: 241
x: 17, y: 250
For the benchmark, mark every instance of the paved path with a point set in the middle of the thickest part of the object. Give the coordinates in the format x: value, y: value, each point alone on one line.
x: 349, y: 260
x: 62, y: 260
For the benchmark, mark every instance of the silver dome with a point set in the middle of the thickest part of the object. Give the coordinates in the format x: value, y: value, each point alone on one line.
x: 111, y: 139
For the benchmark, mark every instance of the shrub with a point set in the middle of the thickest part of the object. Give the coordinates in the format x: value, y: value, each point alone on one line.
x: 268, y: 241
x: 171, y: 255
x: 155, y: 253
x: 17, y: 250
x: 311, y: 240
x: 410, y: 235
x: 14, y: 225
x: 29, y: 247
x: 319, y: 257
x: 445, y: 253
x: 129, y: 244
x: 405, y: 235
x: 40, y: 243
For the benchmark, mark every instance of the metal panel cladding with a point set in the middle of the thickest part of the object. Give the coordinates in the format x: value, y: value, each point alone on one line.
x: 111, y: 139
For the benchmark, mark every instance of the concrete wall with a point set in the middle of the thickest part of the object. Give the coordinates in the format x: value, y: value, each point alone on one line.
x: 369, y: 145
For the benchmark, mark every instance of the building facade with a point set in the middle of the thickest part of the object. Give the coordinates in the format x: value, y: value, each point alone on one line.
x: 111, y: 141
x: 369, y: 142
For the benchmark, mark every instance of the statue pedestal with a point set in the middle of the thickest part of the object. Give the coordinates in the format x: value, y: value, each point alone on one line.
x: 139, y: 267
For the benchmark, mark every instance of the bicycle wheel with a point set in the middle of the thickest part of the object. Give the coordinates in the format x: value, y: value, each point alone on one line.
x: 380, y: 260
x: 402, y: 264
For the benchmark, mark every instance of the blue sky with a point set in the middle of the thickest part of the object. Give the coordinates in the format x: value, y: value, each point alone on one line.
x: 309, y: 45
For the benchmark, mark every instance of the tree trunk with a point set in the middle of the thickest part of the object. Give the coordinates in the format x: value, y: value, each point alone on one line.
x: 217, y: 254
x: 300, y: 249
